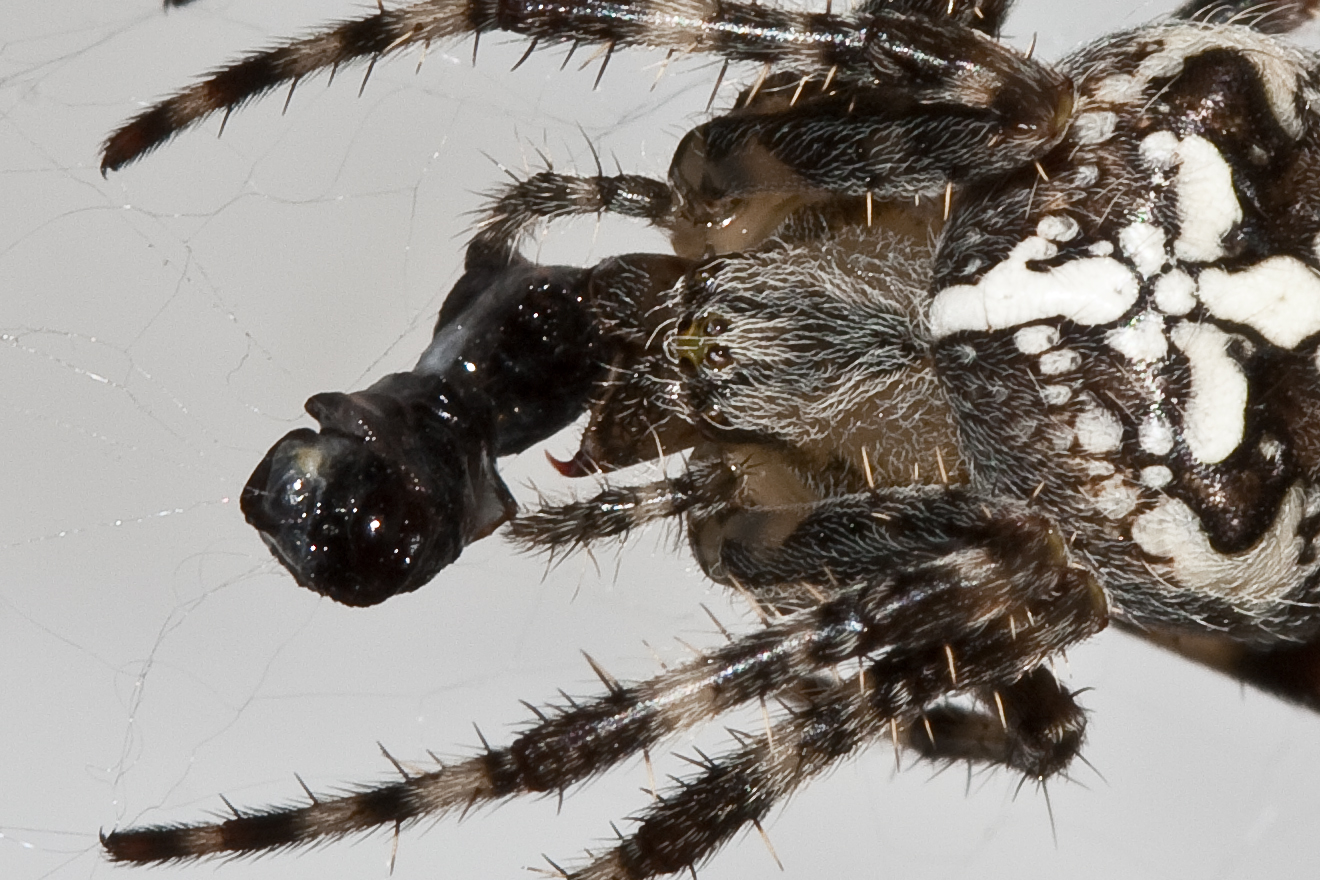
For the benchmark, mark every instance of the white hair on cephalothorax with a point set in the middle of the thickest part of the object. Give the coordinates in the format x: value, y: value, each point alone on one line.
x: 818, y: 336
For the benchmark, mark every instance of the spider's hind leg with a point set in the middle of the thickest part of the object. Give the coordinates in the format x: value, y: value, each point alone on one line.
x: 978, y: 612
x: 1037, y: 731
x: 956, y: 620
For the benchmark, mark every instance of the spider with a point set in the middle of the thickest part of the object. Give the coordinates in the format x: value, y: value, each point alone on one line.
x: 970, y: 356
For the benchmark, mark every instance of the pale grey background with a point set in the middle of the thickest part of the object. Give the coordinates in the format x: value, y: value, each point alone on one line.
x: 162, y: 328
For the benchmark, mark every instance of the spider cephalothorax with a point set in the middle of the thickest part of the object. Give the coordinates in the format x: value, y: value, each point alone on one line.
x: 970, y: 355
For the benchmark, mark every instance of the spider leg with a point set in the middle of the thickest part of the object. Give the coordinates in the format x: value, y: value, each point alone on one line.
x: 1031, y: 725
x: 933, y: 61
x: 696, y: 226
x: 616, y: 511
x: 1288, y: 671
x: 982, y: 15
x: 865, y: 142
x: 695, y: 231
x: 688, y: 824
x: 1266, y: 16
x: 847, y: 538
x: 975, y: 615
x: 1035, y: 728
x: 547, y: 195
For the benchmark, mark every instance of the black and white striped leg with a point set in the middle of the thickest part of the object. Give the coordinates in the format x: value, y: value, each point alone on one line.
x: 616, y: 511
x: 516, y: 209
x: 568, y: 744
x: 960, y: 622
x: 688, y: 824
x: 926, y: 60
x: 1036, y: 729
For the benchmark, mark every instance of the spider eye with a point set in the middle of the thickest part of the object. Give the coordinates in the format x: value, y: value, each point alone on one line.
x: 718, y: 357
x: 695, y: 347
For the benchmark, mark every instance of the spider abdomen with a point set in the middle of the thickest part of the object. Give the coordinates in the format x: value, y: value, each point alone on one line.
x: 1153, y: 285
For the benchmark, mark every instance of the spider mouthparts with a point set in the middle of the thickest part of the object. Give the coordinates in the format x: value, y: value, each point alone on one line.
x: 580, y: 465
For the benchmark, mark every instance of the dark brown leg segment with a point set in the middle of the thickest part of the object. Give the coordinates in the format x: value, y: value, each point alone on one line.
x: 1291, y: 672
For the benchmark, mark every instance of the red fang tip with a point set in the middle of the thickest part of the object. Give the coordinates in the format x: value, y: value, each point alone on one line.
x: 580, y: 465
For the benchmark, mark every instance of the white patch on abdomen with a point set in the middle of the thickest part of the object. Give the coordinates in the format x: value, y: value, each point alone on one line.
x: 1143, y: 243
x: 1172, y: 531
x: 1065, y: 360
x: 1155, y: 435
x: 1055, y: 395
x: 1215, y: 415
x: 1175, y: 292
x: 1096, y: 428
x: 1142, y: 339
x: 1157, y: 476
x: 1114, y: 498
x: 1279, y: 297
x: 1057, y: 227
x: 1208, y: 207
x: 1087, y: 290
x: 1036, y: 338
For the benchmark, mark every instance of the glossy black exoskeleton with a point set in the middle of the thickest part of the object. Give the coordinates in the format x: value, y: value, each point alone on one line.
x: 402, y: 476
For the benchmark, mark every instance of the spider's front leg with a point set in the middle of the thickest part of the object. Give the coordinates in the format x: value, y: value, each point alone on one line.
x: 402, y: 475
x: 925, y: 52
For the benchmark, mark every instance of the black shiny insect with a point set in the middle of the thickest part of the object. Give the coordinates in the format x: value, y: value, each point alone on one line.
x: 970, y: 356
